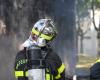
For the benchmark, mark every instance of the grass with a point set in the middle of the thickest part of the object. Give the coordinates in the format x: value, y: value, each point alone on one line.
x: 85, y: 61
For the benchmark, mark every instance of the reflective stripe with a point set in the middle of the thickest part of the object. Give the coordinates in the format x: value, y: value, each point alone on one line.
x: 60, y: 70
x: 58, y: 76
x: 20, y: 73
x: 47, y: 69
x: 26, y: 73
x: 98, y: 60
x: 48, y: 76
x: 42, y: 35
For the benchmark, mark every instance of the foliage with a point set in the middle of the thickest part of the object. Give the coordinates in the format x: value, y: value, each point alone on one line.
x: 82, y: 7
x: 97, y: 3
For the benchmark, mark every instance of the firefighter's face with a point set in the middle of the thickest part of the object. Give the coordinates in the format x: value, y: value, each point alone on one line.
x: 38, y: 40
x: 34, y: 36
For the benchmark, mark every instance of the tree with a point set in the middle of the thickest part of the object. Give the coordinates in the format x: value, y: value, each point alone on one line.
x: 82, y: 10
x: 96, y: 5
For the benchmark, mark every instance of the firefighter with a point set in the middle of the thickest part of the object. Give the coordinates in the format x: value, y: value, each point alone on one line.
x: 95, y: 71
x: 42, y: 33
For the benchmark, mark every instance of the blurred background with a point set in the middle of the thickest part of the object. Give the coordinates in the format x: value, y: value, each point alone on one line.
x: 78, y: 24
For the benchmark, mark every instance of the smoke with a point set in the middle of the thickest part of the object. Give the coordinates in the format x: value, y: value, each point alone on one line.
x: 65, y: 43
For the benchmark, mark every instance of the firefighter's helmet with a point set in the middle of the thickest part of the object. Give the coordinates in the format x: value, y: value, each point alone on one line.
x: 43, y: 31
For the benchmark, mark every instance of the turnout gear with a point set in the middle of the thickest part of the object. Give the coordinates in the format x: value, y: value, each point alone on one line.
x: 36, y: 60
x: 95, y: 71
x: 54, y: 68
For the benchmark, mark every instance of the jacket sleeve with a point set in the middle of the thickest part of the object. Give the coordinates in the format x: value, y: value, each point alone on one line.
x: 57, y: 66
x: 20, y: 64
x: 95, y: 71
